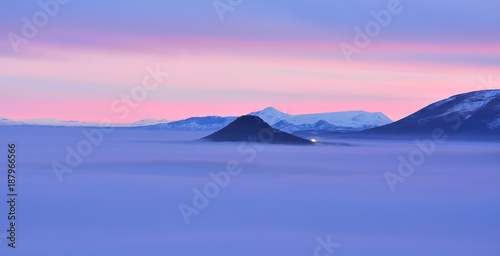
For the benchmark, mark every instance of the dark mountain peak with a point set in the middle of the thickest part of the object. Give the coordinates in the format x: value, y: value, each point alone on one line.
x: 249, y: 123
x: 254, y: 129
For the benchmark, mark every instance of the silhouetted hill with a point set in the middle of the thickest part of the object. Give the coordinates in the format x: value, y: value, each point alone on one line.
x: 254, y: 129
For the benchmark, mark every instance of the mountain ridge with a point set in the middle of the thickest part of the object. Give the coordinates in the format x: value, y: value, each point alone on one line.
x: 466, y: 116
x: 472, y: 112
x: 348, y: 121
x: 338, y: 121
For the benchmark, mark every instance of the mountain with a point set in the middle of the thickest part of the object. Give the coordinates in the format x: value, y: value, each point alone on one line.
x: 44, y: 122
x: 148, y: 122
x: 208, y: 123
x: 335, y: 121
x: 254, y: 129
x: 6, y: 121
x: 473, y: 113
x: 321, y: 125
x: 57, y: 122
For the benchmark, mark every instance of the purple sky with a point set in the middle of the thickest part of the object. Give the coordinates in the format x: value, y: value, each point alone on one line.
x: 279, y: 53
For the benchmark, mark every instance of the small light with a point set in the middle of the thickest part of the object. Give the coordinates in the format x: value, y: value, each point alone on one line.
x: 313, y: 140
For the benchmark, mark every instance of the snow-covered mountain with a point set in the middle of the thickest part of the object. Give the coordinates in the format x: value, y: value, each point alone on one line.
x: 334, y: 121
x: 148, y: 121
x: 473, y: 113
x: 207, y: 123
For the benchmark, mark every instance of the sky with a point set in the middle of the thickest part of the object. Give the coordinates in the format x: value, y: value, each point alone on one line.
x: 89, y: 60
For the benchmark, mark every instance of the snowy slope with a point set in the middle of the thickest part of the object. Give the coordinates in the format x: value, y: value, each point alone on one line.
x: 474, y: 112
x: 207, y: 123
x: 334, y: 121
x: 149, y: 121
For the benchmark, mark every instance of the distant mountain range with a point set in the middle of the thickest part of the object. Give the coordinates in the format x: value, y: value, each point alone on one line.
x: 207, y: 123
x: 468, y: 115
x: 472, y: 113
x: 335, y: 121
x: 57, y: 122
x: 147, y: 122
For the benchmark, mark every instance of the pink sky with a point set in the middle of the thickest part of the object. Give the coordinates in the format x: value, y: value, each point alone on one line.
x: 284, y: 54
x: 229, y: 77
